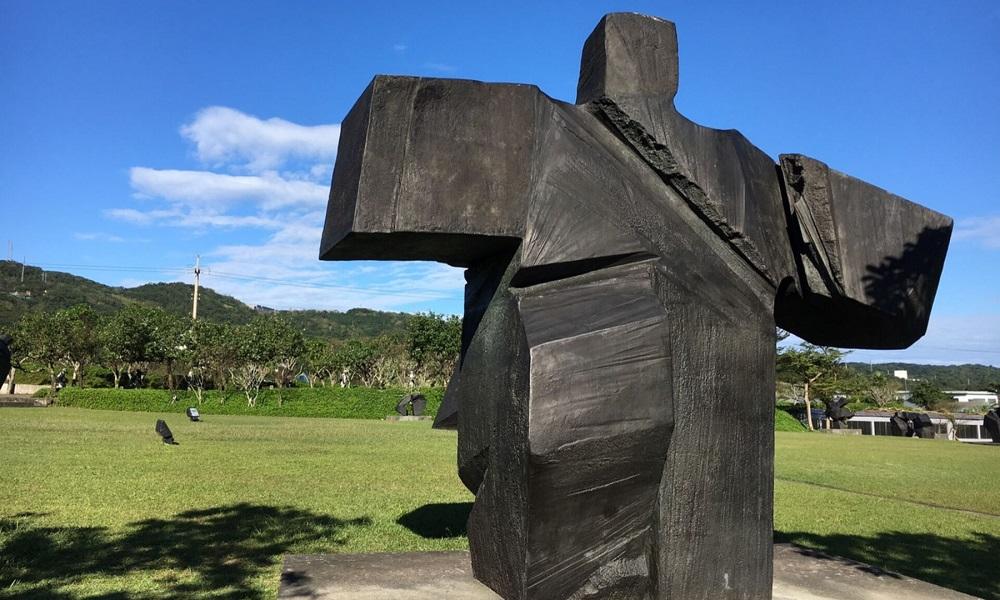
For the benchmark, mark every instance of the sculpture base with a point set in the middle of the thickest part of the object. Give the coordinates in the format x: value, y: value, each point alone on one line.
x: 799, y: 574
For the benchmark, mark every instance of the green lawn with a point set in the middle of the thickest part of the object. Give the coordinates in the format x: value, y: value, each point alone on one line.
x: 92, y: 506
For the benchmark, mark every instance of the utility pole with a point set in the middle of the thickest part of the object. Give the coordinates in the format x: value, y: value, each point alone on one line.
x: 10, y: 250
x: 197, y: 281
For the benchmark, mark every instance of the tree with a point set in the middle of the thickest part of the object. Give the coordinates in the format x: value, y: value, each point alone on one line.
x: 170, y: 335
x: 882, y: 390
x: 265, y: 345
x: 206, y: 351
x: 319, y: 361
x: 433, y: 342
x: 78, y: 327
x: 129, y: 339
x: 928, y: 395
x: 811, y: 366
x: 38, y: 340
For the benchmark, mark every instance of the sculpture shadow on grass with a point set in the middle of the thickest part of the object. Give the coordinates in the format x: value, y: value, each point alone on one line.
x: 966, y: 565
x: 437, y: 521
x: 226, y: 548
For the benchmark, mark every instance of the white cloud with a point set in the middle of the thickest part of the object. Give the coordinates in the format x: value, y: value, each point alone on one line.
x: 283, y: 272
x: 224, y: 136
x: 400, y: 47
x: 273, y: 176
x: 440, y: 67
x: 204, y: 187
x: 98, y: 237
x: 982, y: 230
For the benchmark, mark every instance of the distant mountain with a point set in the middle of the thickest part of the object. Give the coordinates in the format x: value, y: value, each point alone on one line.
x: 52, y: 290
x: 947, y: 377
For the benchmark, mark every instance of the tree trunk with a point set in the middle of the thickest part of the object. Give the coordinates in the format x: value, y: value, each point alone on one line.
x: 10, y: 381
x: 809, y: 414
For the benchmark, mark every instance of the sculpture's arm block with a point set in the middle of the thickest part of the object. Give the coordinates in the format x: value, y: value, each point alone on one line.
x: 442, y: 165
x: 869, y: 261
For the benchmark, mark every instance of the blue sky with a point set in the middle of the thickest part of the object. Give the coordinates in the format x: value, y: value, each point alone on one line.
x: 137, y: 135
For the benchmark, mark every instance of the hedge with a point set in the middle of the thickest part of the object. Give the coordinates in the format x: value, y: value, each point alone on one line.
x: 783, y: 421
x: 343, y: 403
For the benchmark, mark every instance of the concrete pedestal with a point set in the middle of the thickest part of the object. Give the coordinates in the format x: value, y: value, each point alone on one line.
x: 799, y: 574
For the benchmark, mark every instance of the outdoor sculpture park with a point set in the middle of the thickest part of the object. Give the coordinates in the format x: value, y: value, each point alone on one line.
x: 625, y: 269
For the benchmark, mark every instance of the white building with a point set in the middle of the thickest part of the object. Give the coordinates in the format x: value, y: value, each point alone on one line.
x: 965, y: 428
x: 968, y: 397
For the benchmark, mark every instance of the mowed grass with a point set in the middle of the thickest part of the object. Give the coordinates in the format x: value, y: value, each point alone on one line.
x: 929, y: 509
x: 93, y: 506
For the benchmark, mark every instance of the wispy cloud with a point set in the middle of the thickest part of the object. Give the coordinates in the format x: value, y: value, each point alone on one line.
x: 269, y: 190
x: 226, y: 136
x: 400, y: 47
x: 440, y: 67
x: 272, y: 177
x: 984, y: 231
x: 98, y: 237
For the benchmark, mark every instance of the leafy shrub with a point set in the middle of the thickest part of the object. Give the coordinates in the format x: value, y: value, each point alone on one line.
x: 42, y: 392
x: 783, y: 421
x: 343, y: 403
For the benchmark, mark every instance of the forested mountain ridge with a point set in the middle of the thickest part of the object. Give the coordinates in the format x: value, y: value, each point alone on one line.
x: 946, y: 377
x: 56, y: 290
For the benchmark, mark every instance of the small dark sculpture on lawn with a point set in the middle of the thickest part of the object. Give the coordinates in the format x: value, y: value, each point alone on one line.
x: 991, y: 421
x: 625, y: 270
x: 912, y: 424
x: 837, y: 414
x: 164, y: 431
x: 193, y: 413
x: 5, y: 358
x: 900, y: 425
x: 413, y: 404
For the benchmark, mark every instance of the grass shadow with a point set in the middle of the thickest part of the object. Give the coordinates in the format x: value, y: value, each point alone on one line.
x: 226, y: 547
x: 964, y: 565
x: 438, y: 521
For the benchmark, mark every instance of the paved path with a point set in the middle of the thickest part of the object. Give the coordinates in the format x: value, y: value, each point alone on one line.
x: 799, y: 574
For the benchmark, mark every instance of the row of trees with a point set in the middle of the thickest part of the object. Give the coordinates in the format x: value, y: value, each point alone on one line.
x: 202, y: 354
x: 818, y: 373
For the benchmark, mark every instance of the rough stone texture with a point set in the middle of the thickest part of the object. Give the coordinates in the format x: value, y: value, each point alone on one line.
x: 626, y: 269
x: 4, y: 358
x: 991, y: 422
x: 799, y: 574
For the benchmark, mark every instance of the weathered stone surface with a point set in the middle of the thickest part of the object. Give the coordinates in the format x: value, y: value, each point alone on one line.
x: 4, y: 358
x: 626, y: 269
x: 991, y: 422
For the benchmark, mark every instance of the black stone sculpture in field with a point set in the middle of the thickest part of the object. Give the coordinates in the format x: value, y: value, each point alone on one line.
x: 412, y: 404
x: 625, y: 270
x: 900, y: 425
x: 5, y: 358
x: 837, y: 414
x: 991, y: 421
x: 165, y: 433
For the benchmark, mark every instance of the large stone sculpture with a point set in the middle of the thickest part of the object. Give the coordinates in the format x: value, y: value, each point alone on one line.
x: 625, y: 271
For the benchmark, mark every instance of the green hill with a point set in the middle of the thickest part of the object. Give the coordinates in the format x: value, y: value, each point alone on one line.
x: 60, y: 290
x: 946, y: 377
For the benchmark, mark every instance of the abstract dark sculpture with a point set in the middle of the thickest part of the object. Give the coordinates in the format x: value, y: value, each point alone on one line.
x: 414, y: 404
x: 837, y: 414
x: 625, y: 271
x: 912, y: 424
x: 164, y: 431
x: 991, y: 421
x: 5, y: 358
